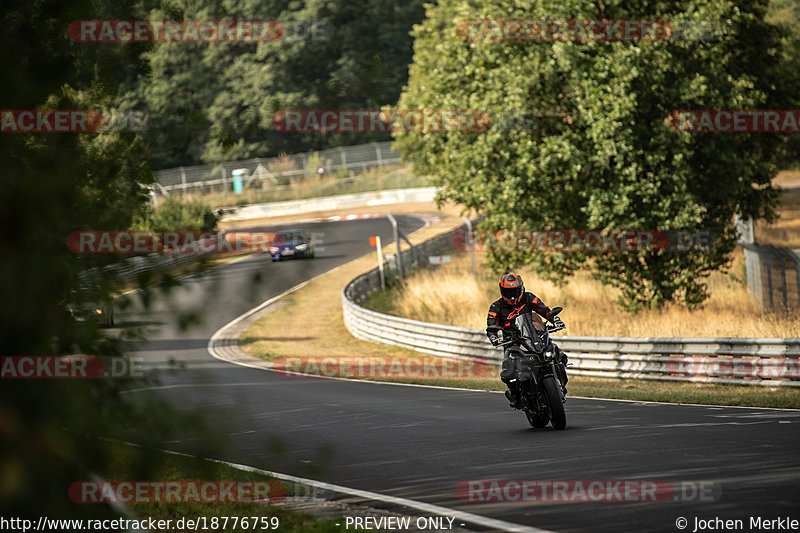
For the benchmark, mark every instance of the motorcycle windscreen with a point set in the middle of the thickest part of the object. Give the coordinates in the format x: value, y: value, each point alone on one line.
x: 531, y: 326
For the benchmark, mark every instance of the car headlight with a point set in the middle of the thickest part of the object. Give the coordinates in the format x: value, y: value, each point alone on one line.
x: 301, y: 247
x: 98, y: 311
x: 274, y: 249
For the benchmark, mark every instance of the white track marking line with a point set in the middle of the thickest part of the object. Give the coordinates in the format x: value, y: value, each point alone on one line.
x: 428, y: 508
x: 685, y: 404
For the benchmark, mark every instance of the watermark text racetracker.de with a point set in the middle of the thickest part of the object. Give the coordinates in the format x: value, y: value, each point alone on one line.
x: 584, y: 241
x: 170, y: 492
x: 72, y: 120
x: 164, y: 31
x: 381, y: 120
x: 489, y: 30
x: 50, y: 121
x: 69, y: 367
x: 742, y: 367
x: 735, y: 121
x: 175, y: 242
x: 527, y: 491
x: 197, y: 31
x: 383, y: 367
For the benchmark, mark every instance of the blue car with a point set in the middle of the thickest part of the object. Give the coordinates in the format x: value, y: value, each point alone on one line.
x: 291, y: 243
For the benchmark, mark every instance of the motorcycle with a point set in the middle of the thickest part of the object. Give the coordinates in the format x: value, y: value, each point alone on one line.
x: 534, y: 367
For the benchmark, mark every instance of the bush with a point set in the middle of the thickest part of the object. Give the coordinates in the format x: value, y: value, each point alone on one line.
x: 177, y: 214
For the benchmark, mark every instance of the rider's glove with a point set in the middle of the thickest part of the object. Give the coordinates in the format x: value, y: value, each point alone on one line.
x: 494, y: 339
x: 557, y: 322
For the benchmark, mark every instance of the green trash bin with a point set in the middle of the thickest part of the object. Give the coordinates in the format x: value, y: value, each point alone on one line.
x: 238, y: 179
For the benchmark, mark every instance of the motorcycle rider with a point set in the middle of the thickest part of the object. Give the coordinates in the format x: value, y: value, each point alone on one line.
x: 513, y: 302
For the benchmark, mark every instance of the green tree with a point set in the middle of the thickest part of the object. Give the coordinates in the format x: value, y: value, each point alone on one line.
x: 612, y: 163
x: 212, y: 102
x: 53, y: 184
x: 786, y: 15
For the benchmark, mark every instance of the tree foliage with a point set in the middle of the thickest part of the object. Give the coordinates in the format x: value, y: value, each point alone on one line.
x: 211, y: 102
x: 603, y: 157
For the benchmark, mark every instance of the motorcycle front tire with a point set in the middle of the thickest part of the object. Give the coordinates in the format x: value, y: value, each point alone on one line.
x: 536, y: 421
x: 557, y: 414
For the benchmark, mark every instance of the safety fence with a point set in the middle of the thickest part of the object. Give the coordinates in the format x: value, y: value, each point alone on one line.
x: 773, y: 276
x: 276, y: 171
x: 751, y: 361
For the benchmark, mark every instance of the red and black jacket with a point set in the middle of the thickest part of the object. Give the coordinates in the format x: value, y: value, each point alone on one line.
x: 502, y: 313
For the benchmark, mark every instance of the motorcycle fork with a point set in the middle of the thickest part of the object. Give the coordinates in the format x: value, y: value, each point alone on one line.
x: 551, y: 371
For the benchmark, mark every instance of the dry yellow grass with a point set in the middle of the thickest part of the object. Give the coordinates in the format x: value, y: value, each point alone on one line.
x: 451, y: 295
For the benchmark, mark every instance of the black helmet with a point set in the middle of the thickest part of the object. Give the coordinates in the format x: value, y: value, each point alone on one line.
x: 511, y: 287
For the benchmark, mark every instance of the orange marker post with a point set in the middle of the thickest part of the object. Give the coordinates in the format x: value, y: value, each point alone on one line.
x: 376, y: 241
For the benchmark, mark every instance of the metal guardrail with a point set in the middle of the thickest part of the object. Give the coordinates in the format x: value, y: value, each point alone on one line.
x: 744, y: 361
x: 130, y: 268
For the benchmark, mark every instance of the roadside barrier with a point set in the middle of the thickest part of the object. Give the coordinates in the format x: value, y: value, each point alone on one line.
x: 744, y: 361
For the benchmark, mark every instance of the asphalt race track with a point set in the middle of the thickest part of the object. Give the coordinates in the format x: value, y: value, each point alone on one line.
x: 420, y: 443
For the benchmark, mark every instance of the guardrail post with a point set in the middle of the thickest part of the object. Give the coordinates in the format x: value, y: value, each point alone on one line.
x: 752, y: 266
x: 396, y: 233
x: 468, y: 239
x: 784, y: 289
x: 796, y: 260
x: 768, y: 256
x: 224, y: 186
x: 791, y: 258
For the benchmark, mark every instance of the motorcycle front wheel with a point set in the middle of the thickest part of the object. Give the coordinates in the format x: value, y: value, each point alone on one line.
x: 557, y: 414
x: 535, y: 420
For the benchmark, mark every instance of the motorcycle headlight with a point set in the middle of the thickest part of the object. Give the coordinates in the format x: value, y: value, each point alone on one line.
x: 548, y: 355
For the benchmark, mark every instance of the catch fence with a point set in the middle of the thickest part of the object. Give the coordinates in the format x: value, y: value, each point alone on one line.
x: 277, y: 171
x: 773, y: 276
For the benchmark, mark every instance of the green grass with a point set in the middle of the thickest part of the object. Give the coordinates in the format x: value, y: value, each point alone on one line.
x: 647, y: 390
x: 681, y: 392
x: 171, y: 467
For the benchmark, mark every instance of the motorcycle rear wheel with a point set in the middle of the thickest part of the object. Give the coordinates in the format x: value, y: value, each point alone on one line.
x: 557, y: 413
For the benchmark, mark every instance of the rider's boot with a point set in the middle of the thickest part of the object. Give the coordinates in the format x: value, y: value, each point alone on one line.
x: 513, y: 398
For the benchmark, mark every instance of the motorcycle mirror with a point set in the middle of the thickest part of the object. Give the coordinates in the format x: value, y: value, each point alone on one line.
x: 554, y: 311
